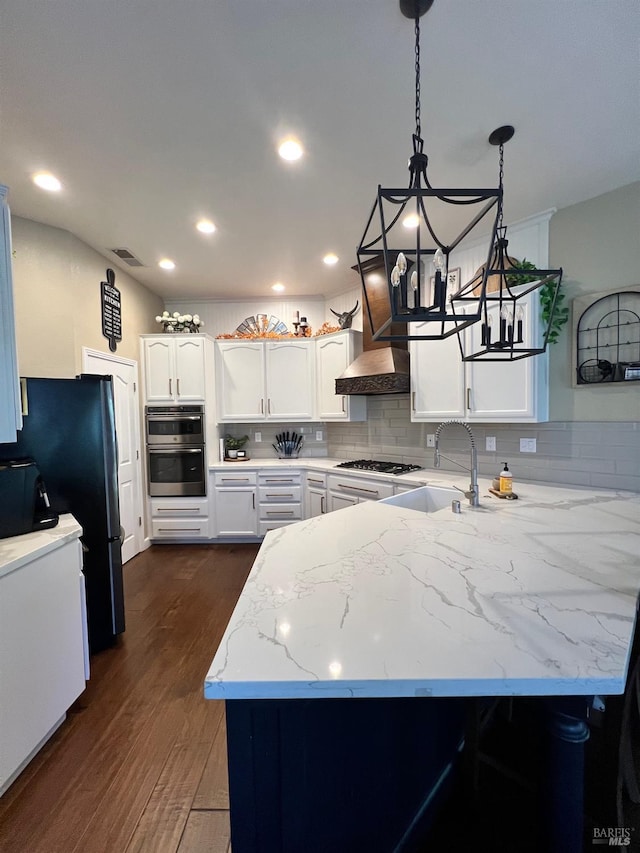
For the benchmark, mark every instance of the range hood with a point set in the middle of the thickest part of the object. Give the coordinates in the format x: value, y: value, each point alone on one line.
x: 381, y: 368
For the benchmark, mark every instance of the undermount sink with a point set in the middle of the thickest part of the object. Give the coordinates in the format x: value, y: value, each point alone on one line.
x: 426, y: 498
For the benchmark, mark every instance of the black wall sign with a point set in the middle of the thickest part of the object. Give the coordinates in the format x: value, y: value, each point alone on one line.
x: 111, y: 313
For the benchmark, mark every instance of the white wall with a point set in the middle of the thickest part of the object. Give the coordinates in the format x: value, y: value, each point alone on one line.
x: 56, y: 282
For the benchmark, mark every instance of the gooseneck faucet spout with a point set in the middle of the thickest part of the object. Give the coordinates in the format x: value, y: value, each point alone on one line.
x: 473, y: 494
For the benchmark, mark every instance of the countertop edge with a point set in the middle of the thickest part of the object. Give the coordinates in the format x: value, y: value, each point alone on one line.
x: 19, y: 551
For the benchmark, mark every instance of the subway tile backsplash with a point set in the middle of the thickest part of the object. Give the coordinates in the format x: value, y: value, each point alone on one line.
x: 604, y: 455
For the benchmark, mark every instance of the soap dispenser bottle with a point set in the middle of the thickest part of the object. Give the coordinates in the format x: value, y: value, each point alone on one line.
x: 506, y: 480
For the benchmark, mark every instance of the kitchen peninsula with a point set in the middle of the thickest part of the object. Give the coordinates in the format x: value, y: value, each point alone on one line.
x: 393, y: 607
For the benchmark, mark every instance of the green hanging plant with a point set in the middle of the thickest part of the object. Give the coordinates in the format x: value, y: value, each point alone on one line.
x: 561, y: 313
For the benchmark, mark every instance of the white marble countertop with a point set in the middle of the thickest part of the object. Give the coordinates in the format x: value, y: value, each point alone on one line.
x: 18, y: 551
x: 529, y: 597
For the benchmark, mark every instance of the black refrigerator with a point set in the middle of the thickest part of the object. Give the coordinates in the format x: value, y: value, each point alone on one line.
x: 70, y: 432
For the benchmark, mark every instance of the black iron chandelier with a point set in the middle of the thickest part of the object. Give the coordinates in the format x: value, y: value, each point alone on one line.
x: 401, y: 245
x: 516, y: 321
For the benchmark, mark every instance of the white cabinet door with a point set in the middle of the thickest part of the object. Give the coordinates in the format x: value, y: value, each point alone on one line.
x: 42, y: 652
x: 241, y: 381
x: 235, y: 511
x: 10, y: 410
x: 334, y: 353
x: 159, y: 370
x: 189, y: 368
x: 315, y: 502
x: 290, y: 380
x: 437, y: 379
x: 508, y: 391
x: 337, y: 501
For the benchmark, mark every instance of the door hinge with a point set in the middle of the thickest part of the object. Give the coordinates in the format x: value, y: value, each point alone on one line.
x: 139, y: 521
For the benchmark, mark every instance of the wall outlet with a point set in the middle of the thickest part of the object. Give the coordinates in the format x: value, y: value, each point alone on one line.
x: 319, y: 435
x: 257, y: 437
x: 431, y: 440
x: 527, y: 445
x: 490, y: 442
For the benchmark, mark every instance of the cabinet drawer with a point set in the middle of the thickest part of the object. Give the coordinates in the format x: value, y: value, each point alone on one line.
x: 266, y: 526
x: 282, y: 511
x: 234, y: 478
x: 279, y: 494
x: 179, y: 507
x: 288, y: 479
x: 367, y: 489
x: 198, y: 528
x: 316, y: 480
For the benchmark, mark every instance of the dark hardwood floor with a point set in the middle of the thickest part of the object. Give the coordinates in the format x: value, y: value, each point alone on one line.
x: 140, y: 763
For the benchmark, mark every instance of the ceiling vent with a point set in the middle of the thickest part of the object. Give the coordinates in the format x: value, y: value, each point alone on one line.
x: 128, y: 257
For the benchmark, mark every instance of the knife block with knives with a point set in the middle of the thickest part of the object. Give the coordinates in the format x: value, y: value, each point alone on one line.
x: 288, y: 445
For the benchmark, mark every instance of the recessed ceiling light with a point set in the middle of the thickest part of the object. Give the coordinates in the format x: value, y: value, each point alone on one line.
x: 166, y: 264
x: 206, y: 226
x: 411, y: 221
x: 330, y: 259
x: 277, y: 287
x: 46, y: 181
x: 290, y: 149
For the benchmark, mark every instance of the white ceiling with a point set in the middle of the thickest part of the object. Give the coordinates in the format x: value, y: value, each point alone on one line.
x: 154, y: 113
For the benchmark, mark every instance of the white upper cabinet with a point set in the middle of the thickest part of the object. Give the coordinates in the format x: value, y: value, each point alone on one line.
x: 10, y: 409
x: 290, y: 380
x: 265, y: 380
x: 240, y: 380
x: 334, y: 353
x: 174, y: 367
x: 444, y: 387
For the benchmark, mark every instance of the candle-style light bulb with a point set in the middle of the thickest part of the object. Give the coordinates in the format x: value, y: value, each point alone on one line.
x: 438, y: 260
x: 401, y: 263
x: 395, y: 276
x: 519, y: 319
x: 414, y: 280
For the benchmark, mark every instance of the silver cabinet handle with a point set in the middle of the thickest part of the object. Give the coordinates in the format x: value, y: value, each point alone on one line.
x: 253, y: 499
x: 261, y: 406
x: 282, y: 480
x: 359, y: 489
x: 469, y: 398
x: 311, y: 480
x: 280, y: 512
x: 234, y: 479
x: 180, y: 530
x: 170, y: 391
x: 343, y: 407
x: 413, y: 401
x: 279, y: 495
x: 178, y: 386
x: 322, y: 504
x: 172, y: 509
x: 269, y: 405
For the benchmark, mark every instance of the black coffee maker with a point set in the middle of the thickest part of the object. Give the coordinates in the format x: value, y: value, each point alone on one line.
x: 24, y: 503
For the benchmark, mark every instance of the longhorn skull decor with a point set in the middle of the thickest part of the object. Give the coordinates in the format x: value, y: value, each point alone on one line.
x: 346, y: 317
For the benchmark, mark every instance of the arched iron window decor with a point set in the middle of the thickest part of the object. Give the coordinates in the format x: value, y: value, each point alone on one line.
x: 608, y: 340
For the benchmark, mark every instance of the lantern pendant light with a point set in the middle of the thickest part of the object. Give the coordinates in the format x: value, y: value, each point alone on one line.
x: 513, y: 324
x: 407, y: 244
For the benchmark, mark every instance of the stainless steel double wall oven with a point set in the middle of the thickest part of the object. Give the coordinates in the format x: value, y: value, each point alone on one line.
x: 176, y: 453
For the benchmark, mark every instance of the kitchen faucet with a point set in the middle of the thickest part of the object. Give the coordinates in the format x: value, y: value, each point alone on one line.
x: 473, y: 494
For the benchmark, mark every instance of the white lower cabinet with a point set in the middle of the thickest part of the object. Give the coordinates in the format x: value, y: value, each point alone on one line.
x: 279, y: 499
x: 315, y: 494
x: 235, y: 510
x: 343, y: 490
x: 179, y: 518
x: 43, y: 652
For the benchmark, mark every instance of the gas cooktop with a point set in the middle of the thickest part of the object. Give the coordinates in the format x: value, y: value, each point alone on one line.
x: 380, y: 467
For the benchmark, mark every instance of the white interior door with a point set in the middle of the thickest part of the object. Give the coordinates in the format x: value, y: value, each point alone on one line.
x: 125, y: 393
